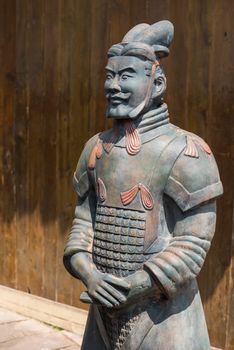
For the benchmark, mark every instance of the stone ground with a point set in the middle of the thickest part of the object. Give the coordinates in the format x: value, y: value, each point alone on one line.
x: 18, y: 332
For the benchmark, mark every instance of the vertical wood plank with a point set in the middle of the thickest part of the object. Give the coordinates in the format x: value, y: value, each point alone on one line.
x: 177, y: 64
x: 64, y: 174
x: 80, y: 36
x: 97, y: 63
x: 215, y: 278
x: 50, y: 111
x: 222, y: 136
x: 21, y: 144
x: 230, y: 314
x: 35, y: 51
x: 7, y: 148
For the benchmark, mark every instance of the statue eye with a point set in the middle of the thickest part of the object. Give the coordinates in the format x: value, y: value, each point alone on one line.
x: 124, y: 77
x: 109, y: 77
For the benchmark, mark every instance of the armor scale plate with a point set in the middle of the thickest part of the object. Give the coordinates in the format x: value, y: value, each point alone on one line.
x: 118, y: 246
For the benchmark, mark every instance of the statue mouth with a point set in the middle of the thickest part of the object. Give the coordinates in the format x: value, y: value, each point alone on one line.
x: 116, y: 99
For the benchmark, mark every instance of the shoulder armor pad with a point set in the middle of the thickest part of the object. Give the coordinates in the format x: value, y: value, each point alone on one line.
x: 193, y: 143
x: 81, y: 179
x: 194, y: 178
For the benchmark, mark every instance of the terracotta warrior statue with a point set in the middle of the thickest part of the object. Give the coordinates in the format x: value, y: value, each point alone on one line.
x: 145, y: 214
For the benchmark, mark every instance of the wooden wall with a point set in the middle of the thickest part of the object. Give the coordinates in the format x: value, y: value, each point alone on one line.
x: 52, y: 55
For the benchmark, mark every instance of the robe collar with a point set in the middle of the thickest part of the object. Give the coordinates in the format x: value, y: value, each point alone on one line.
x: 132, y: 133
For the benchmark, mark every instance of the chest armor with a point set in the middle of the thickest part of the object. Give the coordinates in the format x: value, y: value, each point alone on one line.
x: 130, y: 222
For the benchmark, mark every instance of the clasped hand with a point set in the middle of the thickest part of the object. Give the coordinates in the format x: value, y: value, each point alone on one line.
x: 112, y: 291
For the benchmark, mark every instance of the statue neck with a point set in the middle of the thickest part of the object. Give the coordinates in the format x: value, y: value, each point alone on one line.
x: 153, y: 119
x: 148, y: 121
x: 132, y: 133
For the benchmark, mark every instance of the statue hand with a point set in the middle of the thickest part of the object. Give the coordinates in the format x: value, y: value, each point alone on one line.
x: 101, y: 288
x: 141, y: 283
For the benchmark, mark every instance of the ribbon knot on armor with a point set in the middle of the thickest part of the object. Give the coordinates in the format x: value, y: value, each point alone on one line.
x: 95, y: 154
x: 133, y: 140
x: 191, y: 149
x: 146, y: 198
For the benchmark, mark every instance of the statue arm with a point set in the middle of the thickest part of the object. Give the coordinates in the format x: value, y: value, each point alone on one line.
x: 168, y: 271
x: 80, y: 240
x: 191, y: 190
x: 183, y: 258
x: 102, y: 288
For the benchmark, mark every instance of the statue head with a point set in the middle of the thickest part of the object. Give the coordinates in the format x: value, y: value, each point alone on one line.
x: 135, y: 81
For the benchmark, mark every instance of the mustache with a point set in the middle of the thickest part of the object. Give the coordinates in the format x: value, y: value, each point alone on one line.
x: 119, y: 95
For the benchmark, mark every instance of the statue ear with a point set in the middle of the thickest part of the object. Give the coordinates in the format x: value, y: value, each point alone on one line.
x: 160, y: 85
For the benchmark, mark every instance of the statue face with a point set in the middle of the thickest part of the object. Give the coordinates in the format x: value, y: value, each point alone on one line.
x: 125, y: 86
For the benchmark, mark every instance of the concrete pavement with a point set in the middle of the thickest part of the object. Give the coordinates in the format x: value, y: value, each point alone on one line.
x: 18, y: 332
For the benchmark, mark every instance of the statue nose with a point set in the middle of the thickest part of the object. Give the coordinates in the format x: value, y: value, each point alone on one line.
x: 115, y: 85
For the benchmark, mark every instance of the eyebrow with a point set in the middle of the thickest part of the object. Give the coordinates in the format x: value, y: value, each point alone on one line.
x: 129, y: 69
x: 109, y: 69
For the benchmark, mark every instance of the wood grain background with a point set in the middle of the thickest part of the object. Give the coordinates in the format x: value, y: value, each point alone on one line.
x: 52, y: 58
